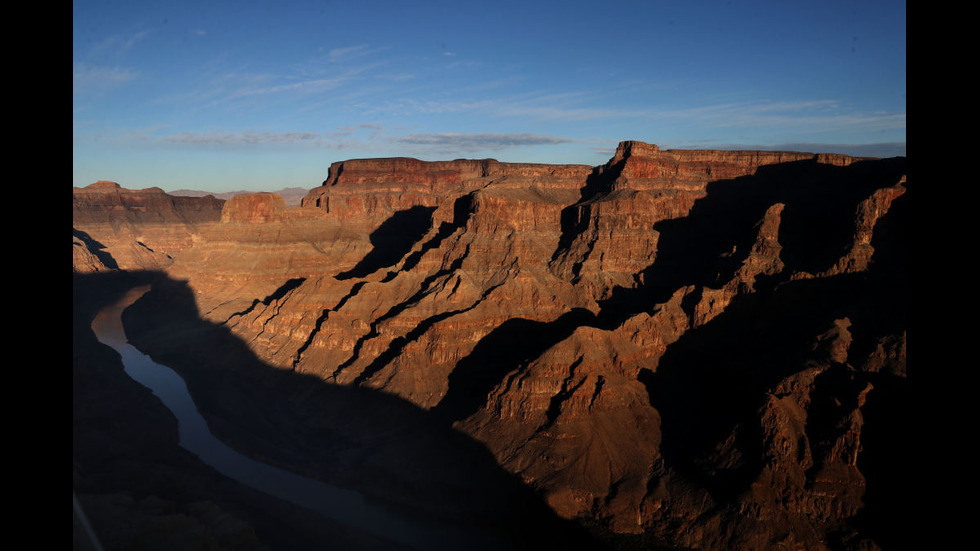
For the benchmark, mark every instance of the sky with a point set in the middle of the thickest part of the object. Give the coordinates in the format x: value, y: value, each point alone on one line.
x: 262, y: 95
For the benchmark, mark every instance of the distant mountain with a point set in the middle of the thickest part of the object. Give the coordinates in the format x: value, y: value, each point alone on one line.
x: 292, y: 195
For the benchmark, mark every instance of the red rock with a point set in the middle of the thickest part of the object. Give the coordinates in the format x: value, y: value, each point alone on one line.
x: 134, y: 229
x: 253, y: 208
x: 678, y: 343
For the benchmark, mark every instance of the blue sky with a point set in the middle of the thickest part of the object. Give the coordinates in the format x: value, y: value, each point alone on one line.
x: 262, y: 95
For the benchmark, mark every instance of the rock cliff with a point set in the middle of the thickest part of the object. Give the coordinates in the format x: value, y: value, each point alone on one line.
x: 117, y: 228
x: 697, y: 349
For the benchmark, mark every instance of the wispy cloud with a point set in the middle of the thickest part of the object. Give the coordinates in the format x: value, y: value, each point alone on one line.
x: 241, y: 138
x: 536, y: 106
x: 890, y: 149
x: 117, y: 45
x: 805, y: 117
x: 92, y: 78
x: 261, y: 91
x: 565, y: 113
x: 478, y: 142
x: 402, y: 107
x: 317, y: 85
x: 366, y: 136
x: 802, y: 116
x: 347, y: 53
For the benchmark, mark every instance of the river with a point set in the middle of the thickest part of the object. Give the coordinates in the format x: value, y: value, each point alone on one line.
x: 342, y: 505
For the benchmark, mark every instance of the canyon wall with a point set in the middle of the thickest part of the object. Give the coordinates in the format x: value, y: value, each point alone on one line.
x: 701, y: 348
x: 117, y: 228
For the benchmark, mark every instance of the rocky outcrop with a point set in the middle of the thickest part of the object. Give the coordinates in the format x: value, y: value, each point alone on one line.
x: 293, y: 196
x: 118, y: 228
x: 371, y: 190
x: 254, y: 208
x: 683, y: 346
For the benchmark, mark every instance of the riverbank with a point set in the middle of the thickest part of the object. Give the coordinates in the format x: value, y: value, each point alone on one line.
x: 141, y: 489
x: 377, y: 444
x: 135, y: 485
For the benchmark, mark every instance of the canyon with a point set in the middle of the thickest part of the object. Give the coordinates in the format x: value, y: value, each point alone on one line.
x: 679, y: 349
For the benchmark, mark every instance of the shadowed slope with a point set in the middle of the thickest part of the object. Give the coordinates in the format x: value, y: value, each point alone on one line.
x: 510, y: 346
x: 816, y: 229
x: 781, y: 342
x: 97, y: 249
x: 137, y: 488
x: 376, y: 443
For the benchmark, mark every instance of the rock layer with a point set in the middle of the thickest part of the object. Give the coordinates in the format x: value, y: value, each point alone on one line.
x: 685, y: 346
x: 118, y: 228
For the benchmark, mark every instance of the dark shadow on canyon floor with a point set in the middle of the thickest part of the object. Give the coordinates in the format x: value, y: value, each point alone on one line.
x: 137, y: 488
x: 375, y: 443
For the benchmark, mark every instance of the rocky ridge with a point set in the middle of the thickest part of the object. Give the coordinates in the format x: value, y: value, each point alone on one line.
x: 679, y: 345
x: 117, y: 228
x: 292, y: 195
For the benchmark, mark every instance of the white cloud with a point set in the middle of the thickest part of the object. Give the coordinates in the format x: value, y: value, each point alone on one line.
x: 342, y: 54
x: 116, y: 45
x: 91, y: 78
x: 477, y: 142
x: 894, y: 149
x: 801, y: 116
x: 241, y: 138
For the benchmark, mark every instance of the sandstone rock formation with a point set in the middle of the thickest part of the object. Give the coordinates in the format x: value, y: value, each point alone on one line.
x: 292, y: 195
x: 700, y: 349
x: 117, y: 228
